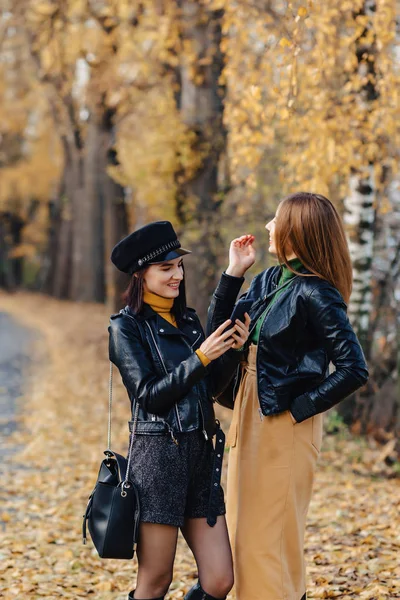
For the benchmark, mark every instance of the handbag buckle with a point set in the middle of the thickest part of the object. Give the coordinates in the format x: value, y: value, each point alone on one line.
x: 125, y: 484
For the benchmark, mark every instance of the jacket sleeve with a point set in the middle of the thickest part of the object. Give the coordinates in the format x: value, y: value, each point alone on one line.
x: 155, y: 394
x: 223, y: 301
x: 223, y: 368
x: 326, y: 312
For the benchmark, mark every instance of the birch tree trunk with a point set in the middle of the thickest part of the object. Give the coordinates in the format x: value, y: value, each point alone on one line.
x: 381, y: 410
x: 359, y: 218
x: 359, y: 215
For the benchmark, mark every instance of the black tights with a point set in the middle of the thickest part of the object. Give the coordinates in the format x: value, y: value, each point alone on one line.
x: 156, y: 554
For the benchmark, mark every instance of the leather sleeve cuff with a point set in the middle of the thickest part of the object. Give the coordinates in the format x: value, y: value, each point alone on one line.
x: 204, y: 359
x: 228, y: 287
x: 302, y: 408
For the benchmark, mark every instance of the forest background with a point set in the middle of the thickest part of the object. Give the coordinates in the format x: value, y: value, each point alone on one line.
x: 207, y: 113
x: 114, y: 113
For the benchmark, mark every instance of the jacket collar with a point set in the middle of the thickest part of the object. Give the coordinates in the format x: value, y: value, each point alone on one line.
x: 145, y: 314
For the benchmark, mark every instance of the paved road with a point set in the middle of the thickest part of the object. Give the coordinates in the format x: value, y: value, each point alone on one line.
x: 15, y: 342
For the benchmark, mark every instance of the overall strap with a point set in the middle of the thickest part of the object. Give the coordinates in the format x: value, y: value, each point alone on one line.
x: 216, y: 476
x: 260, y: 304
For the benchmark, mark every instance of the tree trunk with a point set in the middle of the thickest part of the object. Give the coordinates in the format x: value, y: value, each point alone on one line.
x: 61, y: 239
x: 380, y: 410
x: 115, y: 216
x: 11, y: 226
x: 200, y: 101
x: 359, y: 218
x: 93, y: 228
x: 84, y: 278
x: 116, y: 220
x: 87, y: 219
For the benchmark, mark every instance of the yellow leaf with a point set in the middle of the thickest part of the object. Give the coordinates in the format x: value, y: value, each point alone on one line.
x: 104, y: 586
x: 302, y: 12
x: 284, y: 43
x: 45, y: 8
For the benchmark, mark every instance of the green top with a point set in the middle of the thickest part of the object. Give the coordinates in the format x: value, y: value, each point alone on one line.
x: 286, y: 274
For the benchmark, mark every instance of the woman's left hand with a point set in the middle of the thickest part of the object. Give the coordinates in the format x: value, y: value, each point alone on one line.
x: 242, y: 332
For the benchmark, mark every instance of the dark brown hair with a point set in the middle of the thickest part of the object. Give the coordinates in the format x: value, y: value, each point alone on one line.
x: 133, y: 295
x: 309, y: 226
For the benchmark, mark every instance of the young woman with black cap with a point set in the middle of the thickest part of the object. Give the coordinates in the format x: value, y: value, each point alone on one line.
x: 299, y: 325
x: 171, y: 373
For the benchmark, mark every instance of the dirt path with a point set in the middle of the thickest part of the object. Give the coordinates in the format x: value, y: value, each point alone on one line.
x: 15, y: 343
x: 352, y: 541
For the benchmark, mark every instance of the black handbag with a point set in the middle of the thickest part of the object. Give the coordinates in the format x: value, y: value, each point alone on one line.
x: 113, y: 510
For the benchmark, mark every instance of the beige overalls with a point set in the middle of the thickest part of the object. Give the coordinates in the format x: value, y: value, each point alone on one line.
x: 270, y: 477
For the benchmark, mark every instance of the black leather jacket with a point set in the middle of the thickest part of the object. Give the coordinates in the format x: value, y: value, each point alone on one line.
x: 158, y: 365
x: 306, y: 329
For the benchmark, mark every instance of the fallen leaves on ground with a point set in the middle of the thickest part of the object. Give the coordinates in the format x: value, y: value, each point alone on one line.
x: 353, y: 534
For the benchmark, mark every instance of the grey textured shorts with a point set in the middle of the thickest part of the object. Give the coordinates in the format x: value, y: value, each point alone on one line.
x: 174, y: 481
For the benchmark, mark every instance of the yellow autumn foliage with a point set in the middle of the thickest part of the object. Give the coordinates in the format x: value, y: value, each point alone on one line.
x: 293, y: 87
x: 49, y: 470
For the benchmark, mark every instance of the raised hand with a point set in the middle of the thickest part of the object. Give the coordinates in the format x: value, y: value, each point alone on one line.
x: 242, y: 255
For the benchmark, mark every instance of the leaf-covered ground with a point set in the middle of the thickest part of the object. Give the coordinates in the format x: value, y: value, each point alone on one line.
x: 353, y: 535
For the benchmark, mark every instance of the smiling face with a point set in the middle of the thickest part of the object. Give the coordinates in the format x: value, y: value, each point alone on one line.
x: 164, y: 278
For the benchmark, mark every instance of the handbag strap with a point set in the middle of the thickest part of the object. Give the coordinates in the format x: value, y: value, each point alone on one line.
x: 126, y: 483
x: 109, y: 406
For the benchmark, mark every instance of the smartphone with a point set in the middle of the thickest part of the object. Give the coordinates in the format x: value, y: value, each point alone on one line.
x: 243, y: 306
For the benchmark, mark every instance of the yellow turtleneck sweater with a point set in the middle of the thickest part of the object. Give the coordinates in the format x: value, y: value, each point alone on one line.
x: 163, y: 307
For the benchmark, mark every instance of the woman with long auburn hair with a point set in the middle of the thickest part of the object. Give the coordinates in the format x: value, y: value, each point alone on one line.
x: 298, y: 326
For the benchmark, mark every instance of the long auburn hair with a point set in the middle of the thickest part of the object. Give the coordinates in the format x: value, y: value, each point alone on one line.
x: 309, y: 226
x: 134, y: 293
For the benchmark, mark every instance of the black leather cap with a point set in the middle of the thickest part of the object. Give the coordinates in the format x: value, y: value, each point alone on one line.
x: 153, y: 243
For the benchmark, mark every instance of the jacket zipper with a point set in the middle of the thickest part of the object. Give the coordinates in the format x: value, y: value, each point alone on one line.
x: 204, y: 432
x: 202, y: 418
x: 153, y: 417
x: 166, y: 372
x: 265, y: 316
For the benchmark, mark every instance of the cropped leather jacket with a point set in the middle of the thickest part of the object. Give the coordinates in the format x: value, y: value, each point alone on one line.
x: 159, y: 366
x: 305, y: 329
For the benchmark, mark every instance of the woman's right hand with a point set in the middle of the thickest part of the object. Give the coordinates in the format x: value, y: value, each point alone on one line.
x: 219, y: 342
x: 242, y: 255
